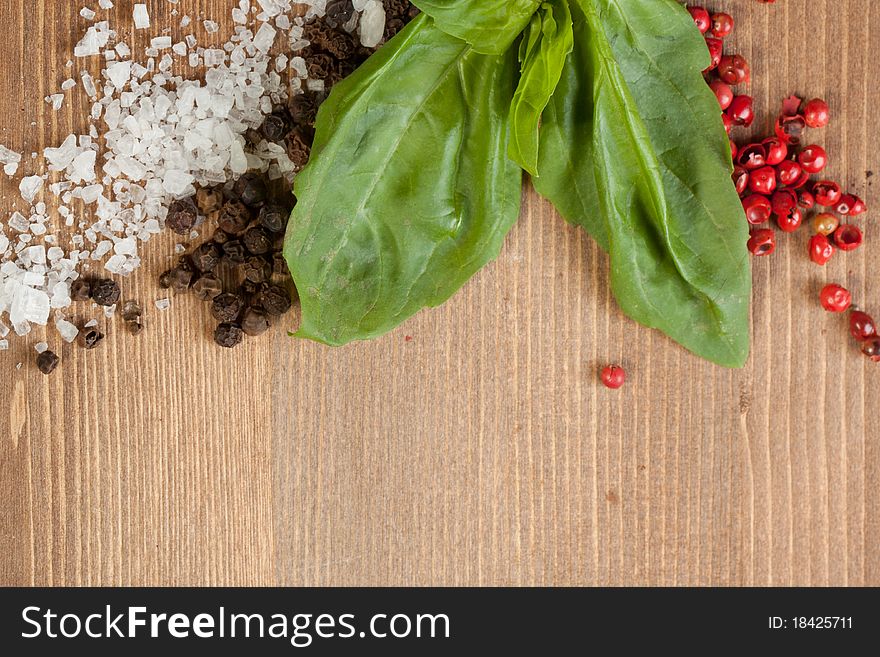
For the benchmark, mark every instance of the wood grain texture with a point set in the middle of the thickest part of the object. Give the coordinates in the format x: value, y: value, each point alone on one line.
x: 482, y: 451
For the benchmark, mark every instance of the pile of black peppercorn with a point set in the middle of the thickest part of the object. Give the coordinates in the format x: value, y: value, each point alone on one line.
x: 240, y: 270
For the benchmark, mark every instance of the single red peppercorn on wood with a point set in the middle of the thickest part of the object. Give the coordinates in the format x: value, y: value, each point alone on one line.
x: 871, y: 349
x: 827, y: 193
x: 723, y: 93
x: 816, y: 113
x: 848, y: 237
x: 835, y: 298
x: 790, y: 221
x: 722, y: 25
x: 763, y: 180
x: 813, y: 159
x: 861, y: 325
x: 613, y: 376
x: 821, y: 249
x: 757, y: 208
x: 762, y: 242
x: 701, y: 17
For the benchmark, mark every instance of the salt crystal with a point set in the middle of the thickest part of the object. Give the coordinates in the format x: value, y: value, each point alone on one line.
x: 211, y: 27
x: 372, y: 24
x: 185, y: 21
x: 89, y: 84
x: 91, y: 193
x: 87, y: 13
x: 162, y: 304
x: 30, y: 187
x: 161, y: 42
x: 191, y: 40
x: 67, y: 330
x: 122, y: 49
x: 239, y: 16
x: 4, y: 345
x: 83, y: 167
x: 69, y: 83
x: 4, y: 330
x: 179, y: 49
x: 105, y: 4
x: 141, y: 17
x: 10, y: 169
x: 119, y: 74
x: 40, y: 347
x: 265, y: 37
x: 17, y: 221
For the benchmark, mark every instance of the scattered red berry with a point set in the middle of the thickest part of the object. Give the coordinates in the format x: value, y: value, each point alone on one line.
x: 821, y: 249
x: 871, y: 349
x: 734, y: 69
x: 613, y: 376
x: 776, y: 150
x: 716, y: 48
x: 813, y: 159
x: 762, y: 242
x: 827, y: 193
x: 861, y: 325
x: 825, y: 223
x: 763, y: 180
x: 789, y: 172
x: 816, y: 113
x: 757, y: 208
x: 790, y: 221
x: 701, y: 18
x: 848, y: 237
x: 722, y: 25
x: 741, y: 111
x: 723, y: 93
x: 834, y: 298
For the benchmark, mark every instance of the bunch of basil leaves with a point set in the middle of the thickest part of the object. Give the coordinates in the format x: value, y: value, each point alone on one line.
x: 416, y: 168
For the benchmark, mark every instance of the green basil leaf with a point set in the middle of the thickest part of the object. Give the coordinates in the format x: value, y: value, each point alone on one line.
x: 545, y: 45
x: 633, y: 150
x: 409, y: 190
x: 490, y: 26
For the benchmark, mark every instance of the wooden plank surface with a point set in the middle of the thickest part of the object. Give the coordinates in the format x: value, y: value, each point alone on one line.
x: 481, y: 451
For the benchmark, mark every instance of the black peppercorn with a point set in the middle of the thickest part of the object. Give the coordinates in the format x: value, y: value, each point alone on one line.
x: 235, y: 252
x: 166, y: 278
x: 251, y: 189
x: 207, y: 287
x: 209, y: 200
x: 228, y: 335
x: 254, y: 321
x: 340, y: 44
x: 206, y: 257
x: 249, y: 289
x: 105, y: 292
x: 183, y: 216
x: 257, y: 241
x: 131, y: 311
x: 220, y: 236
x: 181, y: 278
x: 81, y: 290
x: 279, y: 265
x: 47, y: 362
x: 276, y: 126
x: 338, y: 12
x: 304, y: 107
x: 226, y: 307
x: 275, y: 300
x: 273, y: 217
x: 90, y: 337
x: 319, y: 66
x: 257, y: 269
x: 299, y: 147
x: 234, y: 217
x: 135, y: 328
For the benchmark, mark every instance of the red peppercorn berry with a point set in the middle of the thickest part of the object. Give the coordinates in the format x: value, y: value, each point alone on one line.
x: 826, y: 193
x: 825, y: 223
x: 775, y: 149
x: 789, y: 172
x: 763, y: 180
x: 752, y: 156
x: 613, y: 376
x: 871, y: 349
x: 790, y: 221
x: 762, y: 242
x: 741, y: 111
x: 728, y: 123
x: 848, y: 237
x: 716, y: 48
x: 857, y: 206
x: 734, y: 69
x: 816, y: 113
x: 813, y: 159
x: 701, y: 18
x: 789, y: 129
x: 806, y: 200
x: 723, y: 93
x: 861, y: 325
x: 783, y: 201
x: 757, y: 208
x: 821, y: 249
x: 740, y: 179
x: 722, y: 25
x: 834, y: 298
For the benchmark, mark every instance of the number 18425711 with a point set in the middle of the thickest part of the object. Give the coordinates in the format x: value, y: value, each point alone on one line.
x: 810, y: 623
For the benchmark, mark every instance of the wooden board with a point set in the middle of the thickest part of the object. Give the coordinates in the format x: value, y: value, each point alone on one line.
x: 482, y: 451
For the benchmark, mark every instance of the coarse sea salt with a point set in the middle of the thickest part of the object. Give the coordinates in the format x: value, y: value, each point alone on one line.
x: 161, y: 136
